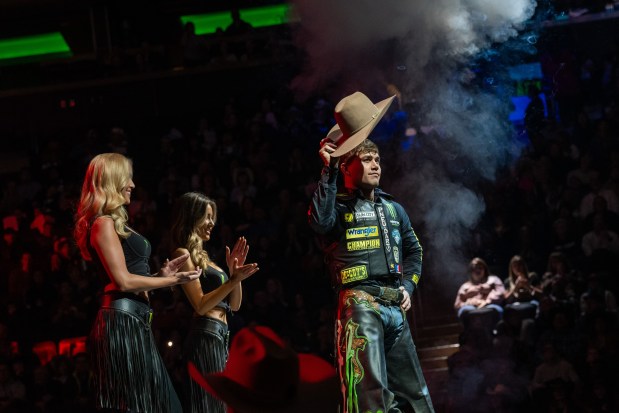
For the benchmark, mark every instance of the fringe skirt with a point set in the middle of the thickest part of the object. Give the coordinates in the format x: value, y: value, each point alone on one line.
x: 207, y: 347
x: 129, y: 374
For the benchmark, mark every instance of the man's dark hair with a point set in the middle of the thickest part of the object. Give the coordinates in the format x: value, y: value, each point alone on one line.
x: 366, y: 146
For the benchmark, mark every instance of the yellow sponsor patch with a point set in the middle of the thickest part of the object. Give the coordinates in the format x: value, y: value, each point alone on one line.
x: 415, y: 278
x: 348, y: 217
x: 352, y: 274
x: 362, y: 232
x: 366, y: 244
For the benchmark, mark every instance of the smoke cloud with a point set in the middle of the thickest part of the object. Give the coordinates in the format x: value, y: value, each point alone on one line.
x: 448, y: 58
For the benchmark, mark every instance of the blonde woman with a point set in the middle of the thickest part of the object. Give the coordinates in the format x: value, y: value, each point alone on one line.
x: 129, y: 373
x: 212, y: 296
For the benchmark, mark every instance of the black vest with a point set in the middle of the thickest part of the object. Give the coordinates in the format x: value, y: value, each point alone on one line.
x: 370, y: 245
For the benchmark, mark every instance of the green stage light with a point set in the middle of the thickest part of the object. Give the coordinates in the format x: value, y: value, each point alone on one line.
x: 257, y: 17
x: 266, y: 16
x: 208, y: 23
x: 33, y: 48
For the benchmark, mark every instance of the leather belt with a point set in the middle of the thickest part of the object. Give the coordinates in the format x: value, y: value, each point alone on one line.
x: 211, y: 325
x: 392, y: 296
x: 136, y: 308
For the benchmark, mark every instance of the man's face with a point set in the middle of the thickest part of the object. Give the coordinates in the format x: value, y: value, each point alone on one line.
x: 364, y: 170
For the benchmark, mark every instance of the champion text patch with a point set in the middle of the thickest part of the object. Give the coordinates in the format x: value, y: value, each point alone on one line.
x: 366, y: 244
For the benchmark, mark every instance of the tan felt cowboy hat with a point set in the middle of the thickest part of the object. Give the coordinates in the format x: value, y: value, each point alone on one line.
x: 356, y: 117
x: 263, y: 374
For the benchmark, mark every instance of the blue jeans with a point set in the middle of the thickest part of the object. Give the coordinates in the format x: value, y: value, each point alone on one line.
x: 484, y: 317
x: 468, y: 308
x: 377, y: 360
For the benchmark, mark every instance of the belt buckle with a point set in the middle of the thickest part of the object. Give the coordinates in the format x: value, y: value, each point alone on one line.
x: 389, y: 294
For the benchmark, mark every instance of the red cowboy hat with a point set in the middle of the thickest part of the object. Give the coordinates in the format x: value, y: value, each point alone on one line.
x: 263, y: 374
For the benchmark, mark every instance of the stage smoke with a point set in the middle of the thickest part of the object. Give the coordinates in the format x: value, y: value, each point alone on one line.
x: 447, y: 57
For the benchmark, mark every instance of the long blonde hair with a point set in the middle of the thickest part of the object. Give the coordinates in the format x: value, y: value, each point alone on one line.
x: 189, y: 214
x: 106, y: 176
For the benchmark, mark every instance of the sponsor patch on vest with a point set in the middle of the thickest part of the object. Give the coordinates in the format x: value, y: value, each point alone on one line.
x: 353, y: 274
x: 348, y: 217
x: 361, y: 232
x: 395, y: 234
x: 391, y: 209
x: 365, y: 215
x: 396, y: 254
x: 415, y: 278
x: 383, y: 224
x: 366, y: 244
x: 394, y: 223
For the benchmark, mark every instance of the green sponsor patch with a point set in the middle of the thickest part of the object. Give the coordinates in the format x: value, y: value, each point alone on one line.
x: 352, y: 274
x: 391, y: 209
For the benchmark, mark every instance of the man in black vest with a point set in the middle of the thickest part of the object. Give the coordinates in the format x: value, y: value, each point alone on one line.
x: 374, y: 258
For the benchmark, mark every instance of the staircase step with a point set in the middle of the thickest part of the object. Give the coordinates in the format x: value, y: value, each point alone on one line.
x: 444, y: 340
x: 437, y: 379
x: 431, y: 363
x: 438, y: 372
x: 438, y: 319
x: 439, y: 329
x: 437, y: 351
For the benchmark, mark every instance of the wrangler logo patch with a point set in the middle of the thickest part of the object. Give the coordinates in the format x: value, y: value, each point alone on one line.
x: 362, y: 232
x: 367, y: 244
x: 352, y: 274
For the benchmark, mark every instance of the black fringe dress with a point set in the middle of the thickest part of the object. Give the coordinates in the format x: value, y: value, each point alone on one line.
x: 129, y: 373
x: 207, y: 347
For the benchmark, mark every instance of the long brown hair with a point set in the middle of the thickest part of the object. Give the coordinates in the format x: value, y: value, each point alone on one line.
x: 189, y: 213
x: 516, y: 259
x: 106, y: 176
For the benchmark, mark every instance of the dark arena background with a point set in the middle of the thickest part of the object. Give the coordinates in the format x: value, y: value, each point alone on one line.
x: 503, y: 140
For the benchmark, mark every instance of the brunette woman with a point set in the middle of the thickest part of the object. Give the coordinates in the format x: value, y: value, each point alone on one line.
x: 212, y: 296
